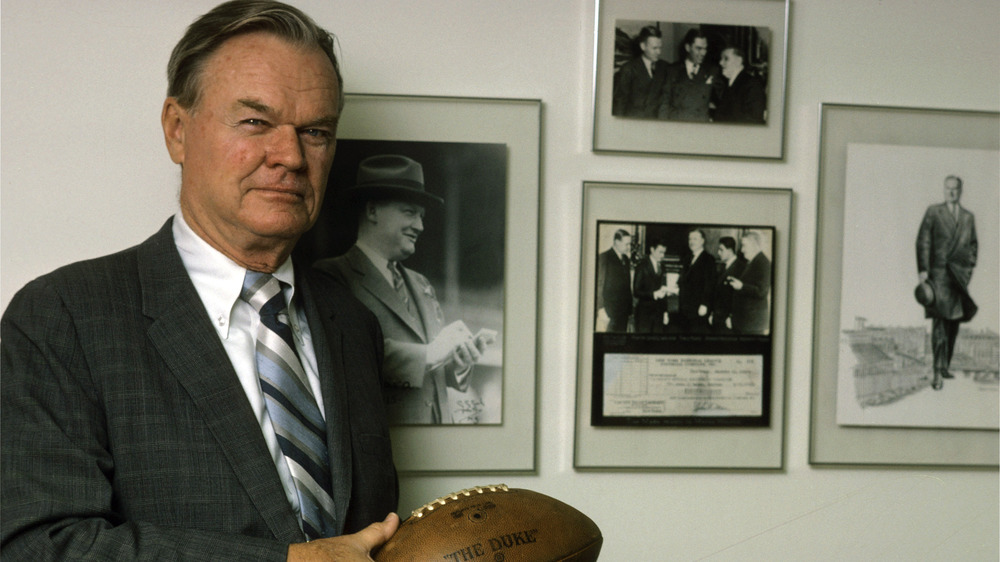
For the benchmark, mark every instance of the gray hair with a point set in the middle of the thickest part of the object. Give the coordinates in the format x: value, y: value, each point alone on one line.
x: 754, y: 237
x: 231, y: 19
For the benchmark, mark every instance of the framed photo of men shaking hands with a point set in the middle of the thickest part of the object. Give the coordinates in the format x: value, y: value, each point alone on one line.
x: 694, y: 77
x: 682, y: 326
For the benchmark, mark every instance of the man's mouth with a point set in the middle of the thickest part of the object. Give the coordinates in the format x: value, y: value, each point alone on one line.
x: 279, y: 192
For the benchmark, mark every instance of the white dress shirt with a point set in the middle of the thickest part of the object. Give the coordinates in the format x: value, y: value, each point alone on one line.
x: 692, y: 69
x: 649, y: 66
x: 219, y: 281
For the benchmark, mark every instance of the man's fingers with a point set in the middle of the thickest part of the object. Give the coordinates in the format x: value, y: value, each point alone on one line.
x: 467, y: 353
x: 357, y: 546
x: 376, y: 534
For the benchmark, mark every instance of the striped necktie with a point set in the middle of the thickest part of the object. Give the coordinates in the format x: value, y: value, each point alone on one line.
x: 298, y: 424
x: 400, y: 285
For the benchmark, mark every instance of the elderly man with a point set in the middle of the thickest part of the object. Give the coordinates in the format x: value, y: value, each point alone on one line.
x: 423, y: 356
x: 946, y: 255
x: 752, y: 289
x: 199, y: 396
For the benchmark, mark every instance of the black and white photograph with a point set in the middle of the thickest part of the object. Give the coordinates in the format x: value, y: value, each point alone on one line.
x: 697, y: 72
x: 456, y: 370
x: 401, y: 227
x: 697, y: 77
x: 682, y: 325
x: 919, y: 342
x: 683, y: 315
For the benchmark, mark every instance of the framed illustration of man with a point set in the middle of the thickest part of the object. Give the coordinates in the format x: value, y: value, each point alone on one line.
x: 910, y: 358
x: 888, y: 182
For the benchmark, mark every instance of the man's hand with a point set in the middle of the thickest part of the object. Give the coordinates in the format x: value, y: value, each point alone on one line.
x: 923, y: 276
x: 702, y: 310
x: 441, y: 348
x: 347, y: 547
x: 735, y: 283
x: 602, y: 316
x: 455, y: 343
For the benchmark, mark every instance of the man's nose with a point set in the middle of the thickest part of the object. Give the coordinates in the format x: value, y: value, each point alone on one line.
x: 285, y: 148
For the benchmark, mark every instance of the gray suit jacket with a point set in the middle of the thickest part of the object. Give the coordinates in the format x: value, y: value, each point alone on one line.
x: 126, y: 433
x: 414, y: 394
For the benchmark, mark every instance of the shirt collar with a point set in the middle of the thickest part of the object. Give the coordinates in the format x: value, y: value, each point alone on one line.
x: 218, y: 279
x: 381, y: 263
x: 735, y: 76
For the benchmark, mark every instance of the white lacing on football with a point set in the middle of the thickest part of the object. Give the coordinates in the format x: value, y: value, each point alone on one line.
x: 418, y: 513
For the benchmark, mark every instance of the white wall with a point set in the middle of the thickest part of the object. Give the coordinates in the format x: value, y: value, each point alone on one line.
x: 84, y: 173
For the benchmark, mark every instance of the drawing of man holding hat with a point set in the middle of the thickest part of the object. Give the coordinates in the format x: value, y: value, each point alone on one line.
x: 946, y: 255
x: 423, y: 355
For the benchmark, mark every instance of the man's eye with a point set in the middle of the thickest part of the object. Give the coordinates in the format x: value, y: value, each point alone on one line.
x: 256, y: 123
x: 317, y: 137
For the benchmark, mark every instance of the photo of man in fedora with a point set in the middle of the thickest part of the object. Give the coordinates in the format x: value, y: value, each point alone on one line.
x: 947, y: 249
x: 424, y: 354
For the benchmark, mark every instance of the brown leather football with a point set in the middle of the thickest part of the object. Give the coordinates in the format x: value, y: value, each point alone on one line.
x: 495, y: 524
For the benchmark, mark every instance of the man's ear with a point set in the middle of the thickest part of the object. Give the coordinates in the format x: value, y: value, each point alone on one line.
x: 174, y: 119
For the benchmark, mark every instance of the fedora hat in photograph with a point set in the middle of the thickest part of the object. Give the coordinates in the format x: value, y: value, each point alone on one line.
x: 391, y: 176
x: 924, y: 293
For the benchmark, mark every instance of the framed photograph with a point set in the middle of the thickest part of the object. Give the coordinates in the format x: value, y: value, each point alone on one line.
x: 682, y: 327
x: 431, y: 218
x: 696, y: 77
x: 906, y: 354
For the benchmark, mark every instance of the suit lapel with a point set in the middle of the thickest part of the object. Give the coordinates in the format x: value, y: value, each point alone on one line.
x: 426, y: 302
x: 952, y: 225
x: 183, y: 335
x: 372, y: 281
x: 327, y: 338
